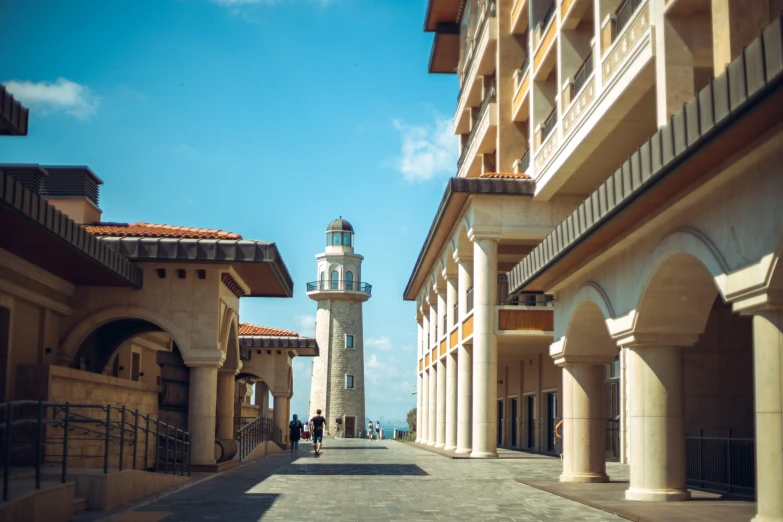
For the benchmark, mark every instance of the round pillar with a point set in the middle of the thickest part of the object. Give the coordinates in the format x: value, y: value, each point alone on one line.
x: 425, y: 406
x: 584, y: 423
x: 419, y: 391
x: 485, y: 349
x: 451, y: 401
x: 202, y: 402
x: 464, y: 365
x: 440, y: 439
x: 280, y: 413
x: 225, y: 404
x: 657, y: 424
x: 767, y: 366
x: 432, y: 428
x: 262, y: 398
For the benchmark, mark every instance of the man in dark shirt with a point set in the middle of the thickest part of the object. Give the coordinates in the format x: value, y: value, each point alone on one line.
x: 317, y: 427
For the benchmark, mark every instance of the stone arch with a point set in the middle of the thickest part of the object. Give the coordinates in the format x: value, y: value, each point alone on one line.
x: 678, y: 286
x: 231, y: 344
x: 76, y: 336
x: 587, y: 334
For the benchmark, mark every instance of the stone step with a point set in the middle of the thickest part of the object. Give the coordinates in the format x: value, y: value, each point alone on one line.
x: 79, y: 504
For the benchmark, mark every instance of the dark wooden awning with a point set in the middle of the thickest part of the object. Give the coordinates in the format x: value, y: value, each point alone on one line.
x: 13, y: 116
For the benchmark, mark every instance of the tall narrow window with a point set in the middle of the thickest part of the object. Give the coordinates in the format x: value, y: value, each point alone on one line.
x: 322, y: 282
x: 346, y: 239
x: 349, y: 280
x: 336, y: 239
x: 349, y: 341
x: 349, y: 382
x: 335, y: 280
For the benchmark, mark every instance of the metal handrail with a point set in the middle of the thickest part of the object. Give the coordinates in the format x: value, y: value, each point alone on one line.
x: 529, y: 299
x: 339, y: 285
x: 36, y: 419
x: 524, y: 162
x: 624, y: 14
x: 520, y: 73
x: 256, y: 431
x: 490, y: 11
x: 456, y: 312
x: 548, y: 16
x: 469, y: 299
x: 724, y: 464
x: 584, y: 72
x: 489, y: 97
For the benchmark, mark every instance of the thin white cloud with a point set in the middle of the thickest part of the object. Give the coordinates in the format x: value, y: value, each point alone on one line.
x: 381, y: 343
x: 187, y: 150
x: 373, y: 362
x: 306, y: 325
x: 380, y: 370
x: 427, y: 150
x: 62, y: 95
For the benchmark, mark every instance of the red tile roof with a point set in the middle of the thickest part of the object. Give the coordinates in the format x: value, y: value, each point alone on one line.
x: 504, y: 175
x: 150, y: 230
x: 252, y: 329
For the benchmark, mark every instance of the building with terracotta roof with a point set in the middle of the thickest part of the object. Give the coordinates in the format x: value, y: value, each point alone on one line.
x: 141, y: 317
x: 630, y: 286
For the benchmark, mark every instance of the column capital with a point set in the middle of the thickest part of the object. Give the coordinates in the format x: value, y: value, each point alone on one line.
x: 206, y: 357
x: 449, y: 275
x: 475, y: 234
x: 757, y: 302
x: 643, y: 339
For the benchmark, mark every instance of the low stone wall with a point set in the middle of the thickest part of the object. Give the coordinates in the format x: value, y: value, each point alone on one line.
x: 250, y: 410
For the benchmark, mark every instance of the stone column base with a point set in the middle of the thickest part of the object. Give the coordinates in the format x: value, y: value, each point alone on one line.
x: 584, y: 478
x: 439, y: 445
x: 463, y: 451
x: 449, y: 448
x: 483, y: 454
x: 657, y: 495
x: 764, y: 518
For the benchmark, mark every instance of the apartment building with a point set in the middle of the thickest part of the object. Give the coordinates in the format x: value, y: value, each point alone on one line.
x: 619, y: 165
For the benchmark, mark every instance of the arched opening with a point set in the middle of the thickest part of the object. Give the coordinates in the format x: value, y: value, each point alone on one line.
x: 322, y: 281
x: 694, y: 352
x: 349, y: 280
x: 335, y: 280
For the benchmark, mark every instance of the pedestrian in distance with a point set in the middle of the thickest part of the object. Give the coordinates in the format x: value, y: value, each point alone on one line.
x: 317, y: 429
x: 378, y: 430
x: 369, y: 430
x: 295, y: 428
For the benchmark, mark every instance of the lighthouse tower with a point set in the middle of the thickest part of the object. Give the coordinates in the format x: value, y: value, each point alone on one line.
x: 338, y: 373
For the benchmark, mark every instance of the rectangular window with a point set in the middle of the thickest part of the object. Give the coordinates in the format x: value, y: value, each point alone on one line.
x: 336, y: 239
x: 346, y: 239
x: 349, y: 341
x: 349, y: 382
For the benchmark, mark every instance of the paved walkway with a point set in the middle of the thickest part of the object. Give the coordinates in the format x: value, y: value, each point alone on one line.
x: 361, y: 480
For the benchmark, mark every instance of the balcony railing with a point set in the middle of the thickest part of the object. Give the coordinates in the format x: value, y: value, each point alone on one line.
x: 549, y: 125
x: 469, y: 299
x: 339, y: 285
x: 524, y: 162
x: 721, y: 464
x: 445, y: 326
x: 583, y: 74
x: 489, y: 97
x: 548, y: 16
x: 456, y: 312
x: 490, y: 11
x: 624, y: 14
x: 520, y: 74
x: 525, y: 299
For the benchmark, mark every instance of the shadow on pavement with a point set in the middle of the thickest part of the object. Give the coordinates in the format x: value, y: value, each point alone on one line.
x: 354, y: 469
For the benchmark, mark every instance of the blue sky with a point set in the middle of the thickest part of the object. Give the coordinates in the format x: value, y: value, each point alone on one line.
x: 262, y: 117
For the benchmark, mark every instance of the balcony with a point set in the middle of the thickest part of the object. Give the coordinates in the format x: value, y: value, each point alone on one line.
x: 520, y: 19
x: 479, y: 61
x: 525, y: 314
x: 481, y: 139
x: 521, y: 105
x: 523, y: 164
x: 348, y: 289
x: 543, y: 43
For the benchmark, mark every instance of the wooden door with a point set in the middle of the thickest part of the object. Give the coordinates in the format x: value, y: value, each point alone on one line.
x: 350, y: 427
x: 514, y: 407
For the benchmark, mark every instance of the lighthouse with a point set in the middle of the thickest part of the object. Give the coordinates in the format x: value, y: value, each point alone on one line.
x: 337, y: 386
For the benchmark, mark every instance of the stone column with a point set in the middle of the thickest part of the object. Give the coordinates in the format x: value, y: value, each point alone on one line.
x: 584, y: 423
x: 425, y: 406
x: 433, y: 411
x: 262, y: 398
x: 419, y: 391
x: 432, y: 421
x: 767, y: 366
x: 451, y: 366
x: 464, y: 365
x: 202, y: 403
x: 657, y: 424
x: 440, y: 439
x: 485, y: 349
x: 225, y: 404
x: 280, y: 414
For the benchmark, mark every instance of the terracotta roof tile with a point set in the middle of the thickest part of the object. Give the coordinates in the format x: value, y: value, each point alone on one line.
x: 504, y: 175
x: 150, y: 230
x: 252, y: 329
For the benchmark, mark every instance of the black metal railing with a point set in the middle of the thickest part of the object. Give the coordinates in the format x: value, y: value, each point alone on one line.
x: 469, y: 299
x: 548, y: 16
x: 489, y: 97
x: 583, y: 74
x: 490, y: 11
x: 624, y: 14
x: 523, y: 70
x: 44, y: 434
x: 524, y: 162
x: 445, y: 325
x: 339, y: 285
x: 255, y: 431
x: 549, y: 125
x: 456, y: 312
x: 724, y: 464
x: 529, y: 299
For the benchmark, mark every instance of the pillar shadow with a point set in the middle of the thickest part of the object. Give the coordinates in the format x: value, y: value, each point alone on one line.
x: 355, y: 469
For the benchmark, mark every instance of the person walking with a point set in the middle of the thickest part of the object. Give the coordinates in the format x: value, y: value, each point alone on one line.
x: 369, y: 430
x: 295, y: 428
x: 378, y: 430
x: 317, y: 429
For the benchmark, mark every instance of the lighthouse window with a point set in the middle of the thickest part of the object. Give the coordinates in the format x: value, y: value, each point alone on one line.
x: 336, y: 238
x: 346, y: 239
x: 322, y: 285
x: 349, y: 382
x: 349, y: 280
x: 335, y: 280
x: 349, y: 341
